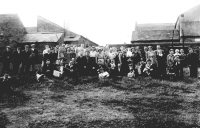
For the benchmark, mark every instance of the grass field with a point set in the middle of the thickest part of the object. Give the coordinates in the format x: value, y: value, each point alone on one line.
x: 92, y: 103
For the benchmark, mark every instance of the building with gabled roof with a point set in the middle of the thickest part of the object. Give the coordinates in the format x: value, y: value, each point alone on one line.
x: 185, y: 32
x: 155, y: 34
x: 46, y: 27
x: 42, y: 39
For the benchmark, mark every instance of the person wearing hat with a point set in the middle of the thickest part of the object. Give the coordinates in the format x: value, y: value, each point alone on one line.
x: 6, y: 57
x: 192, y: 61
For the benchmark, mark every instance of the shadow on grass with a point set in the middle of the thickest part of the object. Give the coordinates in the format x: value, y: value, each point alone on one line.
x: 58, y: 98
x: 153, y: 112
x: 82, y: 80
x: 3, y: 120
x: 143, y: 104
x: 13, y: 99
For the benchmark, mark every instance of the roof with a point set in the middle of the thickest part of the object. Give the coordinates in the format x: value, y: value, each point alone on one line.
x: 152, y: 35
x: 44, y: 25
x: 80, y: 39
x: 87, y: 41
x: 42, y: 37
x: 189, y: 22
x: 192, y: 14
x: 31, y: 29
x: 72, y: 38
x: 154, y: 26
x: 191, y: 28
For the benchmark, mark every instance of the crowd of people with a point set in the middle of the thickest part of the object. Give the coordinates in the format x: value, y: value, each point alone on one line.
x: 73, y: 61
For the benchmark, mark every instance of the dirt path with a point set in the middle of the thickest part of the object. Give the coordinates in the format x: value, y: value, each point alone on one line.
x: 141, y: 103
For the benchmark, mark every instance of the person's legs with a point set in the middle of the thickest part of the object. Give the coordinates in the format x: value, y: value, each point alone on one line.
x: 27, y: 68
x: 5, y: 67
x: 193, y: 71
x: 15, y: 68
x: 181, y: 72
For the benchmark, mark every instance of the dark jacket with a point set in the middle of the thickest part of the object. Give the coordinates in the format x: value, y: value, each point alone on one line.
x: 34, y: 56
x: 17, y: 57
x: 26, y: 56
x: 48, y: 57
x: 7, y: 56
x: 81, y: 62
x: 192, y: 59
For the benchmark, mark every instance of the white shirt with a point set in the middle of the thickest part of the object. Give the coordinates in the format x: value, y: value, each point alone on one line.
x: 46, y: 51
x: 93, y: 53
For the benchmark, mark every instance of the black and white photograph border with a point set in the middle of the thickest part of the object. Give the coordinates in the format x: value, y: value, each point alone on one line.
x: 100, y: 64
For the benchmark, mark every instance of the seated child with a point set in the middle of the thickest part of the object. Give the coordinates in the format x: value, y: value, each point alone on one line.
x: 150, y: 69
x: 59, y: 71
x: 102, y: 72
x: 131, y: 73
x: 71, y: 66
x: 39, y: 76
x: 48, y: 68
x: 5, y: 83
x: 113, y: 68
x: 140, y: 67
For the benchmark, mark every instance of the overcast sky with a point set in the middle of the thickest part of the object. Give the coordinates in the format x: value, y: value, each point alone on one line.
x: 102, y: 21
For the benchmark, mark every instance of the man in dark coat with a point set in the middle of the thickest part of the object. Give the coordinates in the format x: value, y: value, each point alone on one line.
x: 33, y: 57
x: 26, y: 60
x: 17, y: 60
x: 192, y: 60
x: 161, y: 62
x: 91, y: 65
x: 81, y: 64
x: 6, y: 58
x: 182, y: 62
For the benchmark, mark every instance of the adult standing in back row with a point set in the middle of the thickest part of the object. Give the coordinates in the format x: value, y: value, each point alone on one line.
x: 33, y: 57
x: 26, y: 59
x: 7, y: 56
x: 192, y: 61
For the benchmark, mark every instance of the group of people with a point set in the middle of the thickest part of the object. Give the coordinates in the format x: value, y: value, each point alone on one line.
x: 19, y: 61
x: 104, y: 62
